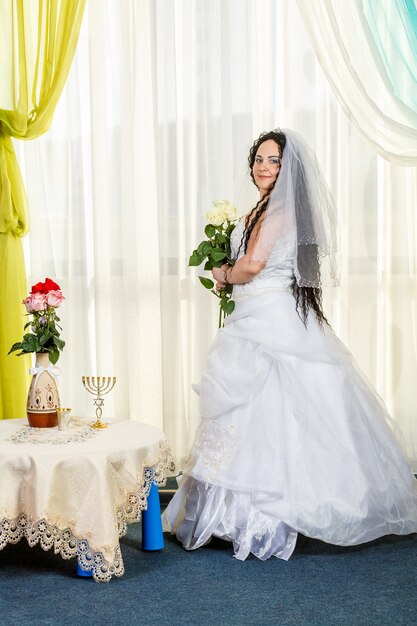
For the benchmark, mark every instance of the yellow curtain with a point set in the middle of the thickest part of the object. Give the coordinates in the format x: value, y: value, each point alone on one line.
x: 37, y: 44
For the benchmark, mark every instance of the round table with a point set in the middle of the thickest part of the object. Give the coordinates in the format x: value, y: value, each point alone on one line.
x: 76, y: 490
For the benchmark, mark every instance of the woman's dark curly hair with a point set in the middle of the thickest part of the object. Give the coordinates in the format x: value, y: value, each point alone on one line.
x: 306, y: 298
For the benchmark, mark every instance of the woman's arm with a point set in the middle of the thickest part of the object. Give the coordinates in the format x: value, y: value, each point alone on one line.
x: 244, y: 270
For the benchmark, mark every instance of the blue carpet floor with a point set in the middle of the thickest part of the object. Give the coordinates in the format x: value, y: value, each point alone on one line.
x: 371, y: 585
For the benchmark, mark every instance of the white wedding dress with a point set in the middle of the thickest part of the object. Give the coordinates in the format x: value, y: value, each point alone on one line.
x: 292, y: 438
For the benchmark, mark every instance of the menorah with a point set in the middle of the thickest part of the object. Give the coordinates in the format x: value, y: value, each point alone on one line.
x: 99, y: 386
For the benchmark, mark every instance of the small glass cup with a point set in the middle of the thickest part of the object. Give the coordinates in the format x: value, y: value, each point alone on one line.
x: 64, y: 417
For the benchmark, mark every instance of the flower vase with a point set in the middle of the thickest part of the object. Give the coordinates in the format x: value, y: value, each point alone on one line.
x: 43, y: 396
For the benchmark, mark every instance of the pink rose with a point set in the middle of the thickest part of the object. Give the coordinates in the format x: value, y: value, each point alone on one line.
x: 26, y: 302
x: 54, y: 298
x: 35, y: 302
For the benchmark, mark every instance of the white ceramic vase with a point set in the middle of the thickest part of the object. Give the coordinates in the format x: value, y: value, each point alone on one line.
x: 43, y: 396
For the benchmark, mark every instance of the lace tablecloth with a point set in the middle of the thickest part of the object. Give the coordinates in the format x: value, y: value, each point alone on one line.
x: 78, y: 497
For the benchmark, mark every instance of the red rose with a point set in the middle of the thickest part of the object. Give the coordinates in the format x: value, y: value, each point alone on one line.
x: 48, y: 285
x: 51, y: 286
x: 38, y: 288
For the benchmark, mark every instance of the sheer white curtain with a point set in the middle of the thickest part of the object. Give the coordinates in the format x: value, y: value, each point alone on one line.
x: 161, y: 107
x: 346, y: 50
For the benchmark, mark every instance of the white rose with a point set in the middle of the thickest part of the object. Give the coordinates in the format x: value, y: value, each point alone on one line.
x: 220, y: 205
x: 230, y: 212
x: 216, y: 217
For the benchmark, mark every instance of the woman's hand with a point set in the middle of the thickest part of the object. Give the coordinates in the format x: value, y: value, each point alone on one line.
x: 218, y: 275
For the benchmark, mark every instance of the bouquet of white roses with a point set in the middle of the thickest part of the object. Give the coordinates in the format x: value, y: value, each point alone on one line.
x: 221, y: 220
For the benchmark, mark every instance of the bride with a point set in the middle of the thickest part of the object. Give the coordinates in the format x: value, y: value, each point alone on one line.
x: 292, y: 438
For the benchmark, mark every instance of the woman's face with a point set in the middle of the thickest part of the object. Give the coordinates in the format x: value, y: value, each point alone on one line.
x: 267, y: 165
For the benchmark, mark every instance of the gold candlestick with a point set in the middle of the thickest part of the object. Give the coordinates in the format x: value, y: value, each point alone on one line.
x: 99, y: 386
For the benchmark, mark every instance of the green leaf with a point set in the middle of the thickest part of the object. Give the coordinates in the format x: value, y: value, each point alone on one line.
x: 59, y: 343
x: 53, y: 355
x: 228, y: 306
x: 210, y: 230
x: 217, y: 255
x: 43, y: 339
x: 206, y: 282
x: 195, y: 259
x: 204, y: 248
x: 15, y: 346
x: 30, y: 343
x: 221, y: 239
x: 208, y: 265
x: 20, y: 353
